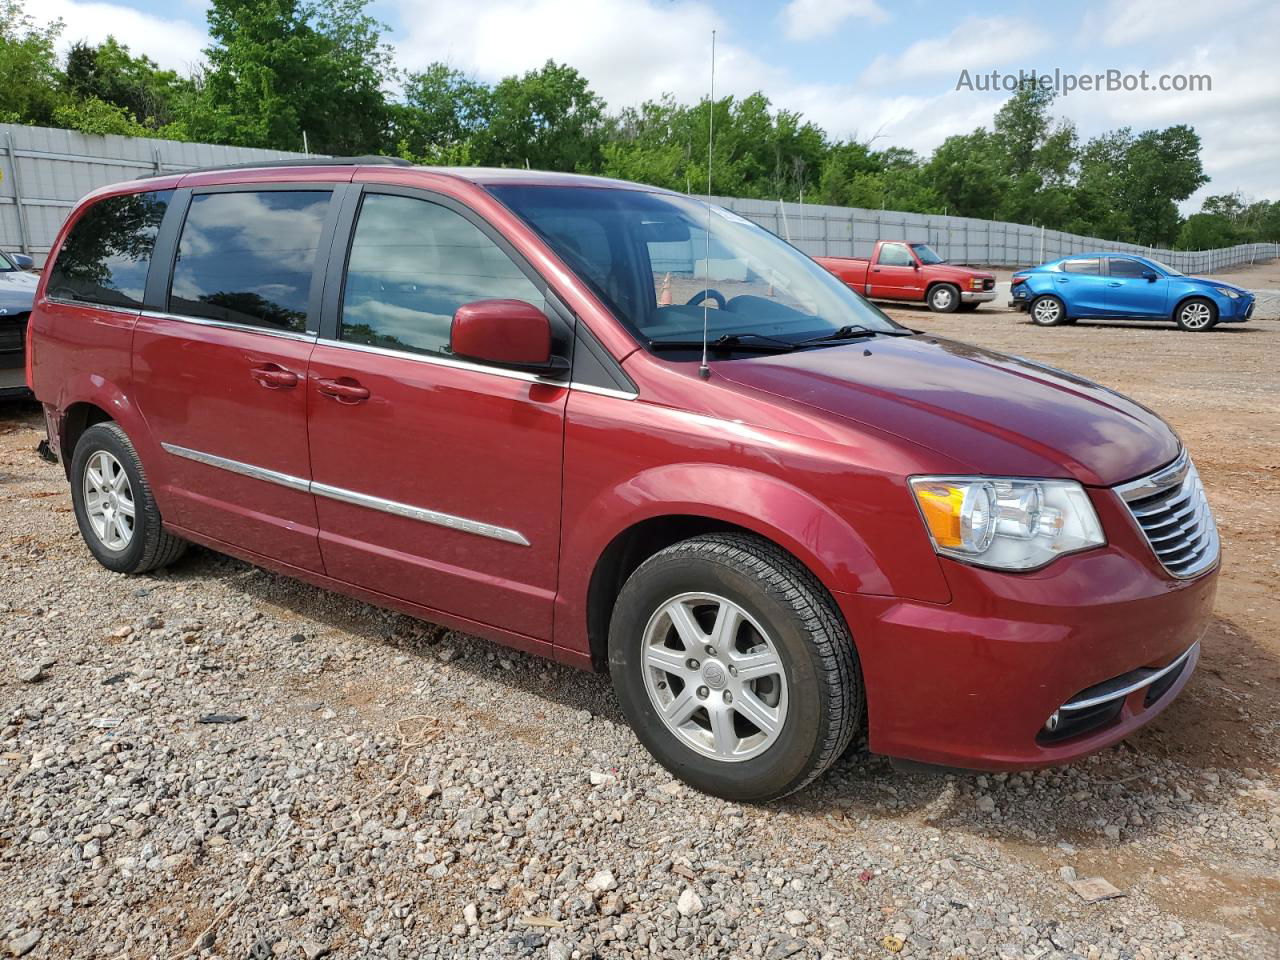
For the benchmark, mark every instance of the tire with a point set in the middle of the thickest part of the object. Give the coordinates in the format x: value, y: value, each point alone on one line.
x: 808, y: 680
x: 944, y: 298
x: 1196, y: 315
x: 105, y: 449
x: 1048, y: 311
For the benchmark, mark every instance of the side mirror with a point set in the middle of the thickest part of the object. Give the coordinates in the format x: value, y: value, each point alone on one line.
x: 1150, y: 275
x: 915, y: 265
x: 22, y: 261
x: 505, y: 333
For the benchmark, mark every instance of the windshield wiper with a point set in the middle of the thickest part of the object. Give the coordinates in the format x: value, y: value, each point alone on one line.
x: 753, y: 342
x: 852, y: 331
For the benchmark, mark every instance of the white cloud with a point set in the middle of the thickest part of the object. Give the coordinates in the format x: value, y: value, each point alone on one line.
x: 1124, y: 22
x: 630, y: 50
x: 975, y: 43
x: 172, y: 43
x: 810, y: 19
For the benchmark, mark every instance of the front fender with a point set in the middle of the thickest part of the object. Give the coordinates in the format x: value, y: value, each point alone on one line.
x: 826, y: 543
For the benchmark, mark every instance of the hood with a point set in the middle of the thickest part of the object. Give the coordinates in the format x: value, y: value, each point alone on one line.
x: 995, y: 414
x: 1209, y: 282
x: 17, y: 291
x: 950, y: 271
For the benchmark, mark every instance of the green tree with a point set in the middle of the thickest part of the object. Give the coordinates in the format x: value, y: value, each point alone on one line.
x: 967, y: 173
x: 98, y: 117
x: 280, y: 68
x: 29, y: 75
x: 109, y: 73
x: 547, y: 119
x: 442, y: 114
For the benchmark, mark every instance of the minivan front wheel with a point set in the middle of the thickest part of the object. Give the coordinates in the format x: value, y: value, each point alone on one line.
x: 734, y: 667
x: 114, y: 507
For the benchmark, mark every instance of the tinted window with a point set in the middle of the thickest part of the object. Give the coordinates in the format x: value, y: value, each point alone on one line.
x: 413, y: 264
x: 248, y: 257
x: 1081, y: 266
x: 106, y: 255
x: 895, y: 255
x: 1128, y: 268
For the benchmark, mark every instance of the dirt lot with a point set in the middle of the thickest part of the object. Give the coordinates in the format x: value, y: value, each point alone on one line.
x: 393, y: 790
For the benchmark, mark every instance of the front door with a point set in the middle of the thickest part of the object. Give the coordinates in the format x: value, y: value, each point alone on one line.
x: 221, y: 376
x: 895, y: 275
x: 437, y: 481
x: 1131, y: 292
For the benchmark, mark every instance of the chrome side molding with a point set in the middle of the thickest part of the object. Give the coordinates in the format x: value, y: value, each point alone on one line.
x: 421, y: 514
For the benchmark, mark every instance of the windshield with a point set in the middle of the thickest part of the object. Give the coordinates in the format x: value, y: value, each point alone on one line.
x: 654, y: 258
x: 926, y: 253
x: 1164, y: 267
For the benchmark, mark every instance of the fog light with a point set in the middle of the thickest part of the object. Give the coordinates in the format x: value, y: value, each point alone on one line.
x: 1052, y: 723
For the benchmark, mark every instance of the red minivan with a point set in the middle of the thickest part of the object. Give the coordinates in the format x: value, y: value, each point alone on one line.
x: 481, y: 397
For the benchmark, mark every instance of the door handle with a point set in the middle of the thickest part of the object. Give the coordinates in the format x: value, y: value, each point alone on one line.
x: 1062, y: 279
x: 1114, y: 283
x: 274, y: 377
x: 875, y: 269
x: 344, y: 390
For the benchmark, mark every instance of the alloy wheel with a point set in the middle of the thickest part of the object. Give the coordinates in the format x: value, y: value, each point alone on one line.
x: 1196, y: 316
x: 1047, y: 311
x: 714, y: 676
x: 108, y: 501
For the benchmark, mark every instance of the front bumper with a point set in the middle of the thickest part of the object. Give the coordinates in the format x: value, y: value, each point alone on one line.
x: 977, y: 296
x: 973, y: 683
x: 1237, y: 311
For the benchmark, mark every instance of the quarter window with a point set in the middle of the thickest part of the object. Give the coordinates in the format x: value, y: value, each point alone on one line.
x: 895, y: 255
x: 1089, y: 266
x: 413, y: 263
x: 106, y: 255
x: 248, y: 257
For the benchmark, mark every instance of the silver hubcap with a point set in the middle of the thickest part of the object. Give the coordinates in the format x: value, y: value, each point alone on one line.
x: 1047, y: 311
x: 1196, y: 315
x: 108, y: 500
x: 714, y: 676
x: 942, y: 298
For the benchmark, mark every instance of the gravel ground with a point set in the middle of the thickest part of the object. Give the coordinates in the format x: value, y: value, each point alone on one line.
x: 379, y: 787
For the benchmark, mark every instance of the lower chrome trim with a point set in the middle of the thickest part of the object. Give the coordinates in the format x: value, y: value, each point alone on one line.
x: 463, y: 524
x: 422, y: 514
x: 235, y: 466
x: 1123, y: 691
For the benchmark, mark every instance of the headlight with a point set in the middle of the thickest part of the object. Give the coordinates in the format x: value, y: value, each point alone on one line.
x: 1228, y: 292
x: 1005, y: 523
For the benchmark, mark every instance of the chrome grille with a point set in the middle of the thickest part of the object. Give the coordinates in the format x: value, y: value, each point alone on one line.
x: 1171, y: 508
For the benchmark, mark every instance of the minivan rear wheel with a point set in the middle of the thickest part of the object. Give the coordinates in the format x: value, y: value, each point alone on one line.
x: 734, y: 667
x: 114, y: 507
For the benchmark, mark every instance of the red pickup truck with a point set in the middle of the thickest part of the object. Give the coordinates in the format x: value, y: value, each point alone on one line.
x: 913, y: 271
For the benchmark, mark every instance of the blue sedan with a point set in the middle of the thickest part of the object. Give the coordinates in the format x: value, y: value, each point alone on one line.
x: 1125, y: 287
x: 17, y: 290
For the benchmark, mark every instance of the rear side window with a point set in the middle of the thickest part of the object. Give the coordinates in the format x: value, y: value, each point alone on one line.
x: 413, y: 263
x: 1127, y: 268
x: 1082, y: 266
x: 105, y: 257
x: 248, y: 258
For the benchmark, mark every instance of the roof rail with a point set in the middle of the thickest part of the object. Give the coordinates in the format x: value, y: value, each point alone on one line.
x: 371, y: 160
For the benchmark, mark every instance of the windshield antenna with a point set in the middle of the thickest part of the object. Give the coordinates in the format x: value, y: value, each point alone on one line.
x: 704, y: 371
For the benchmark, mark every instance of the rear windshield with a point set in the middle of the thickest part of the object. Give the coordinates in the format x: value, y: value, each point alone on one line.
x: 656, y: 258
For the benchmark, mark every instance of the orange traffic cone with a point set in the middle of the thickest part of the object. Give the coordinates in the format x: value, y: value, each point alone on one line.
x: 664, y: 297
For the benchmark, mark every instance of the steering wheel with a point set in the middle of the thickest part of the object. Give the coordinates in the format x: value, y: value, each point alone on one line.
x: 701, y: 295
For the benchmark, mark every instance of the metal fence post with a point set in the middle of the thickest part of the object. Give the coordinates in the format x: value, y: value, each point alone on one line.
x: 24, y: 235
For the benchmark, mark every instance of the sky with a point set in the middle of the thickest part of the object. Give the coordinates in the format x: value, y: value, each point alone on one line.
x: 881, y: 70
